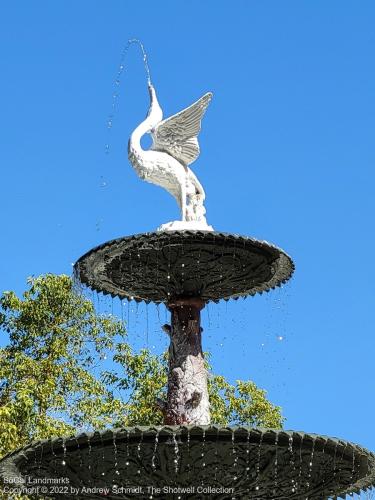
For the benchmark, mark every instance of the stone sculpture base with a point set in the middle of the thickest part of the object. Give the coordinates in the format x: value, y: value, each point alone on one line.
x: 194, y: 463
x: 179, y: 225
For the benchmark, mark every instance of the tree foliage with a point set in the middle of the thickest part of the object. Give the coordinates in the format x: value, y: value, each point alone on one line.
x: 48, y: 385
x: 51, y: 383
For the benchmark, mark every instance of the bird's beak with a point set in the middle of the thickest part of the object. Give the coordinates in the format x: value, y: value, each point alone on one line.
x: 151, y: 91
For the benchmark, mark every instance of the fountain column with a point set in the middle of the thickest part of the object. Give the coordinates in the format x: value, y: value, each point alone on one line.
x: 187, y: 399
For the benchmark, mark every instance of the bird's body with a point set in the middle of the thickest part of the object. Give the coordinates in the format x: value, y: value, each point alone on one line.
x: 175, y: 145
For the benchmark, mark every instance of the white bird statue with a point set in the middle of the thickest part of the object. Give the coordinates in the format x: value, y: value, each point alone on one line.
x: 175, y: 146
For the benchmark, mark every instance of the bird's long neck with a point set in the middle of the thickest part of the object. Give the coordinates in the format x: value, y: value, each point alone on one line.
x: 135, y: 138
x: 154, y: 116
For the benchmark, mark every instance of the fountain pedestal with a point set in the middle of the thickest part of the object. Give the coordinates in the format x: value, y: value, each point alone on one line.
x: 187, y: 400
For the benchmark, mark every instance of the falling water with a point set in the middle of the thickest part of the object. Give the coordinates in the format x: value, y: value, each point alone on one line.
x: 115, y: 455
x: 235, y: 454
x: 79, y: 454
x: 188, y: 450
x: 53, y: 451
x: 203, y: 452
x: 259, y: 459
x: 122, y: 314
x: 158, y: 313
x: 165, y: 315
x: 176, y: 453
x: 203, y: 447
x: 64, y: 452
x: 136, y: 314
x: 147, y: 325
x: 208, y: 315
x: 155, y: 450
x: 89, y: 455
x: 248, y: 453
x: 53, y: 456
x: 216, y: 452
x: 103, y: 453
x: 311, y: 464
x: 183, y: 264
x: 276, y: 463
x: 139, y: 451
x: 121, y: 69
x: 292, y: 463
x: 334, y: 462
x: 300, y: 463
x: 353, y: 467
x: 323, y: 451
x: 127, y: 448
x: 128, y: 322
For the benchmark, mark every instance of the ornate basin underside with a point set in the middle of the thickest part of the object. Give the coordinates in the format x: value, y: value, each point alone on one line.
x: 162, y: 266
x: 195, y: 462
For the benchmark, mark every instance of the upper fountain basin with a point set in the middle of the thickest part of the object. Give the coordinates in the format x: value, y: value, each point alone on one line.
x: 162, y: 266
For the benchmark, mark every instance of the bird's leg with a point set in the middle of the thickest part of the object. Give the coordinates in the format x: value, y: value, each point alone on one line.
x: 197, y: 185
x: 183, y: 201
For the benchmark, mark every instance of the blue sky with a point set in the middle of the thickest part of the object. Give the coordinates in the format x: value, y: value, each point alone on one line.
x: 287, y: 156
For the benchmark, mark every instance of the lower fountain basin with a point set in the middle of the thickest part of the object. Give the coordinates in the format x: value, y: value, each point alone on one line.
x: 167, y: 265
x: 190, y: 462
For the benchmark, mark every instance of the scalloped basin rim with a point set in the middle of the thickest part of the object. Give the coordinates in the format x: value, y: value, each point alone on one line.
x: 157, y: 267
x: 219, y: 444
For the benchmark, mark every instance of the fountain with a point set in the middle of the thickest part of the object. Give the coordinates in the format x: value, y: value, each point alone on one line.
x: 185, y: 265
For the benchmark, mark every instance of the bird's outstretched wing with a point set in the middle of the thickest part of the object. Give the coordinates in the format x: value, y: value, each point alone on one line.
x: 177, y: 135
